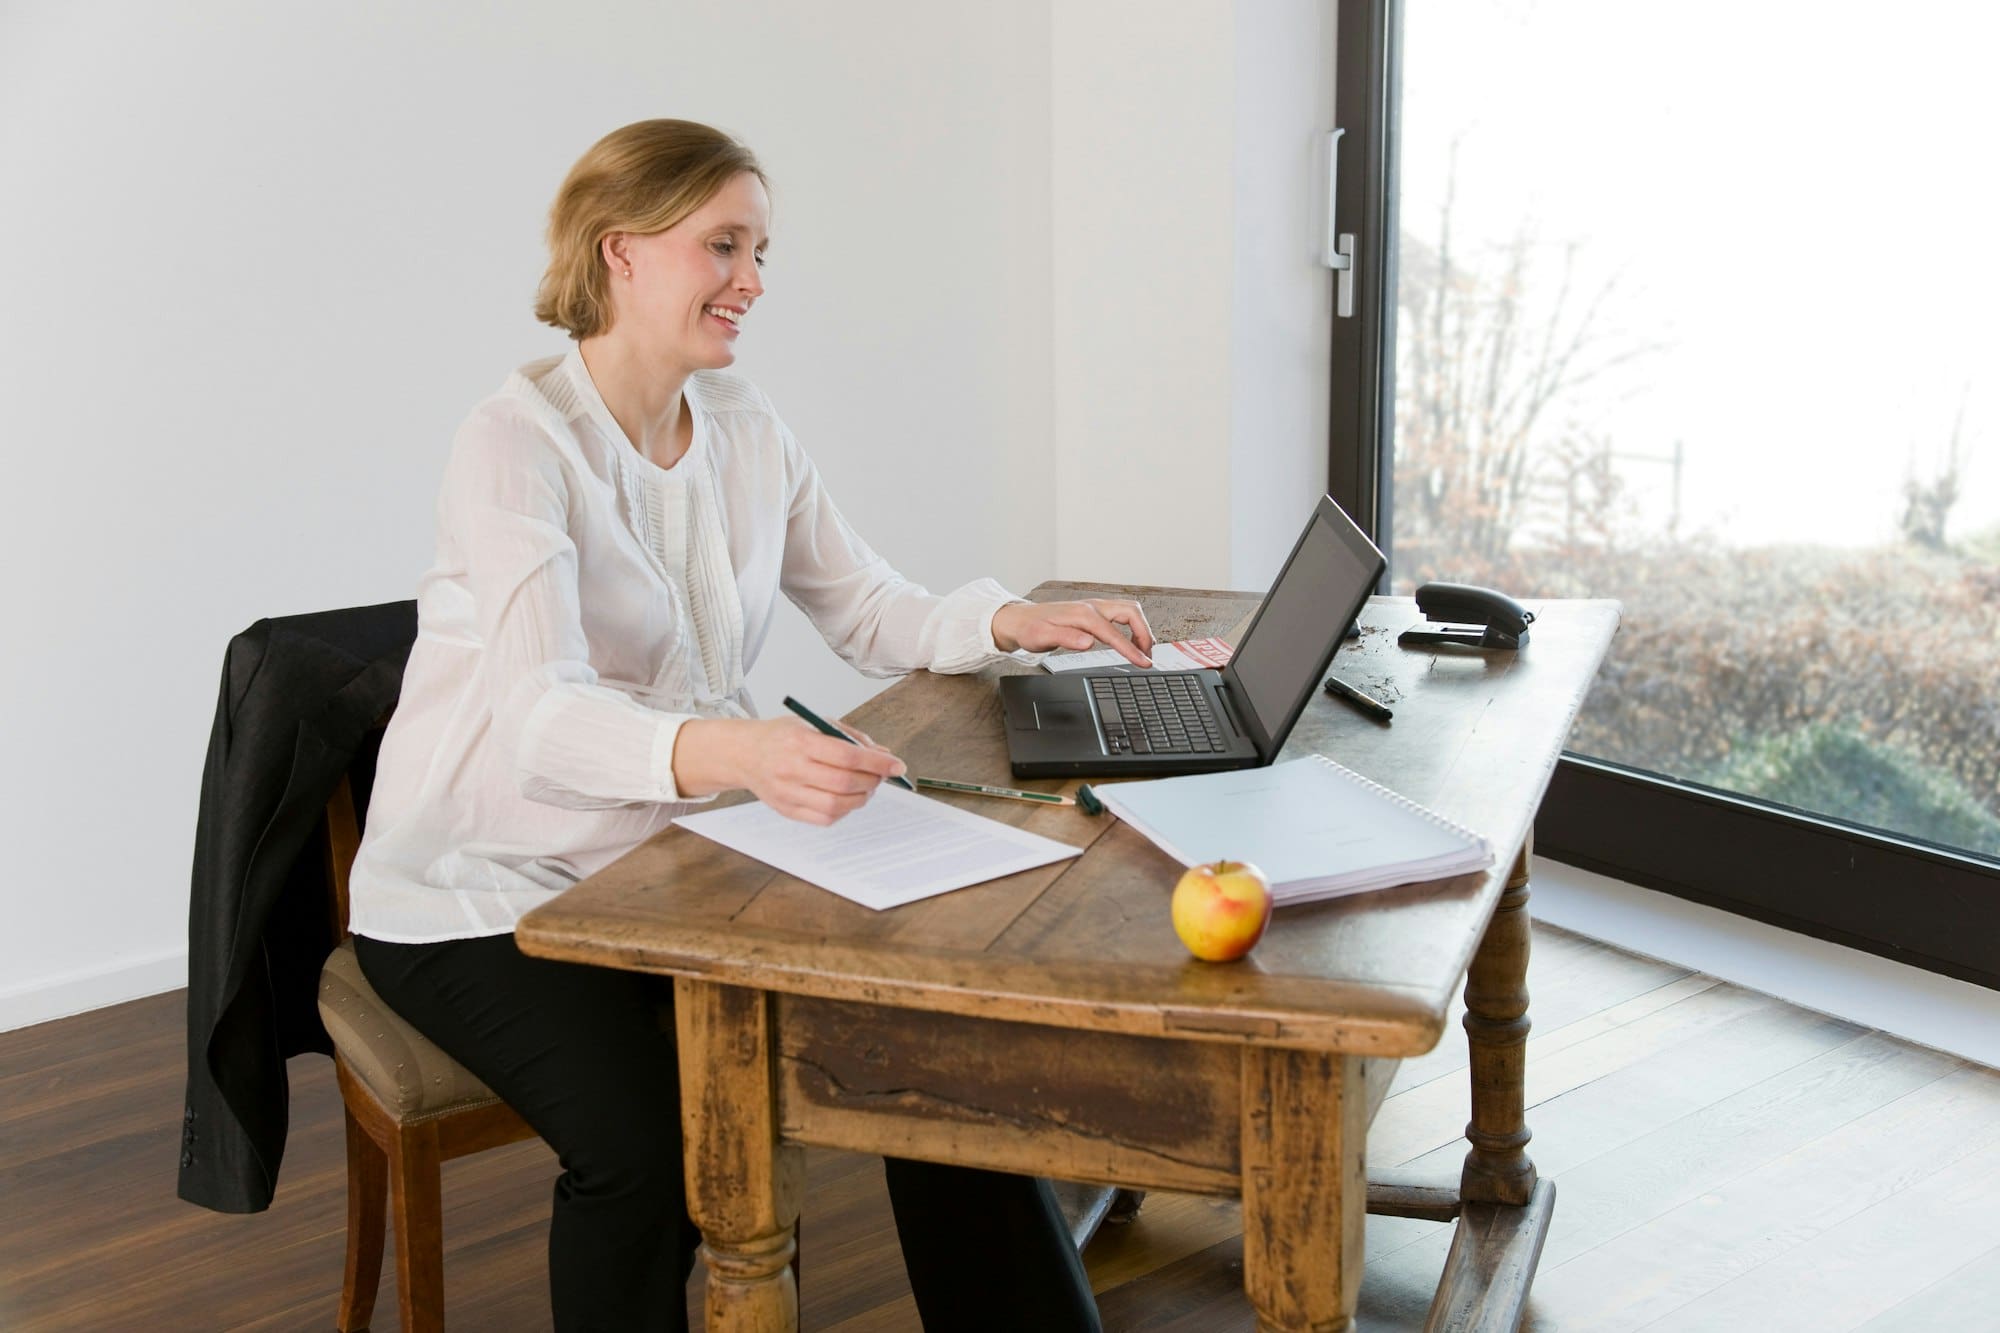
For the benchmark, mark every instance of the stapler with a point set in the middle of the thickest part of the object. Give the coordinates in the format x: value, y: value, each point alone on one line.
x: 1470, y: 616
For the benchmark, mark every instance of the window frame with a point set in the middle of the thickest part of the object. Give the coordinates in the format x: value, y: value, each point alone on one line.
x: 1361, y: 413
x: 1927, y: 906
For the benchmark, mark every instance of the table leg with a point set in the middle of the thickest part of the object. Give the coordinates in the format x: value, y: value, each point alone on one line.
x: 1305, y: 1187
x: 743, y: 1185
x: 1497, y: 1169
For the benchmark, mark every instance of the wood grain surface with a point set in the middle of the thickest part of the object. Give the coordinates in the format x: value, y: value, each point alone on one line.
x: 744, y: 1183
x: 1079, y: 1106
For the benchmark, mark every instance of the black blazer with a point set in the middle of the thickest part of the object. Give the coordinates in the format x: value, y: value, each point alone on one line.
x: 300, y: 695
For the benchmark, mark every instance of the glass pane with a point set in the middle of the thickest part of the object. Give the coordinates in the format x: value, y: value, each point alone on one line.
x: 1696, y: 312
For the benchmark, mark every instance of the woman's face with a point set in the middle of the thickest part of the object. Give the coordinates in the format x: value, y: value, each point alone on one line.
x: 693, y: 284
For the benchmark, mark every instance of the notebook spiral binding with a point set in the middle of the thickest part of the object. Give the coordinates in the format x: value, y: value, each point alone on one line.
x: 1424, y: 812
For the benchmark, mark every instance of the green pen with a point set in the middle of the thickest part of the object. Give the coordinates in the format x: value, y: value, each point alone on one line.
x: 832, y: 730
x: 981, y: 789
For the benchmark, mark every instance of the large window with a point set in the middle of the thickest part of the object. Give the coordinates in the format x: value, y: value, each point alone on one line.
x: 1691, y: 309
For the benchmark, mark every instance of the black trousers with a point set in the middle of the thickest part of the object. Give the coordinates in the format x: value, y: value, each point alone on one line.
x: 582, y: 1055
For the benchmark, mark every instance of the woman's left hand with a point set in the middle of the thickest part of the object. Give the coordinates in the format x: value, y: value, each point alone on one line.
x: 1038, y: 627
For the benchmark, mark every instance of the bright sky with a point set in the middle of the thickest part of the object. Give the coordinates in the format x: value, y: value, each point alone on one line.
x: 1796, y: 199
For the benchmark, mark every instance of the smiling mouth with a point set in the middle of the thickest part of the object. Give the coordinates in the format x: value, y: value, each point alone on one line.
x: 730, y: 317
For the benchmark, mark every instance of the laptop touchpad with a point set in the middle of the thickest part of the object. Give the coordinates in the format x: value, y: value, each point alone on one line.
x: 1062, y: 715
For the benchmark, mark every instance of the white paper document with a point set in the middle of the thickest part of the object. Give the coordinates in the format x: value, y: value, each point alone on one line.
x: 898, y: 848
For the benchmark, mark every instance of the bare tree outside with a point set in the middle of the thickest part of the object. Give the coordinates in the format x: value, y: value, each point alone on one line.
x: 1494, y: 346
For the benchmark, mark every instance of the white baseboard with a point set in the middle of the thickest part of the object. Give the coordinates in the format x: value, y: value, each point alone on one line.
x: 1942, y: 1012
x: 45, y: 998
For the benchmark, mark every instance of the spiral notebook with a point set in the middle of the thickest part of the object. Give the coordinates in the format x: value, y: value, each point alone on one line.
x: 1315, y: 829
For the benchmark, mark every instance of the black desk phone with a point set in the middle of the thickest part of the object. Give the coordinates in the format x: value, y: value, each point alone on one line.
x: 1471, y: 616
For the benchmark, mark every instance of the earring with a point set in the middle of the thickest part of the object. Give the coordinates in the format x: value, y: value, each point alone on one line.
x: 628, y: 274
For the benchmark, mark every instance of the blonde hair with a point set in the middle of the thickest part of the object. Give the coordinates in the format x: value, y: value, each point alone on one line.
x: 641, y: 179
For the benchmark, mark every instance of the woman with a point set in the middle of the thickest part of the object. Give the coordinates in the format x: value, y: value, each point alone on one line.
x: 614, y: 530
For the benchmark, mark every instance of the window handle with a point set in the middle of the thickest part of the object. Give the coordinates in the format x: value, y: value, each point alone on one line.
x: 1338, y: 251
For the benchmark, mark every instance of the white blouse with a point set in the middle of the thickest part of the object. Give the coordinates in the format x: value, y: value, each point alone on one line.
x: 582, y: 605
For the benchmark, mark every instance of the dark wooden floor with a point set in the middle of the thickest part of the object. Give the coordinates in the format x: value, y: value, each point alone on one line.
x: 1724, y: 1161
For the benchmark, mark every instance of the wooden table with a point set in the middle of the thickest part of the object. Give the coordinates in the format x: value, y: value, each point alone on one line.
x: 1050, y: 1023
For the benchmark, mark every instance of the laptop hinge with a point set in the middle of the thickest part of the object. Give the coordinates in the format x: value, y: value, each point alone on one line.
x: 1226, y: 696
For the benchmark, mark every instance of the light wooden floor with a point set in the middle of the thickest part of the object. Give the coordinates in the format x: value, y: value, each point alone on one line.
x: 1723, y: 1161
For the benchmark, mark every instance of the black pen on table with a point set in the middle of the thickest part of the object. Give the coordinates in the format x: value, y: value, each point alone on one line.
x: 1367, y: 703
x: 832, y: 730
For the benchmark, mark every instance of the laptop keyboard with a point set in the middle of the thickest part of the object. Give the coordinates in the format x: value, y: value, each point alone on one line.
x: 1165, y: 714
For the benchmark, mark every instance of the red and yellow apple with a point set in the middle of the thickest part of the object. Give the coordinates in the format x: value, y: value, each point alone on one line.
x: 1221, y: 909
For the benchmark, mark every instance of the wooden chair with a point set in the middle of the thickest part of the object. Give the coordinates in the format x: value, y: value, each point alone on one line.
x: 409, y: 1108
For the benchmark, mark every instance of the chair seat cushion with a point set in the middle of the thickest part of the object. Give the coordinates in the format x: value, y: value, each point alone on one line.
x: 405, y: 1070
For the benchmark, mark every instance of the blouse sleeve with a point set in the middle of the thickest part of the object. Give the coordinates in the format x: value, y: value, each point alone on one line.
x: 873, y: 617
x: 573, y: 742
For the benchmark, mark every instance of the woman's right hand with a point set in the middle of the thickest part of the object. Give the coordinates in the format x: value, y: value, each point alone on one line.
x: 784, y: 763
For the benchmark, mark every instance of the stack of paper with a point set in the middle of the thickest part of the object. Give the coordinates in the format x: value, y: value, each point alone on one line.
x: 1315, y: 829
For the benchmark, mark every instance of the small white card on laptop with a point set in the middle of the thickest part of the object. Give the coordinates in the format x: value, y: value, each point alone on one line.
x: 1180, y: 655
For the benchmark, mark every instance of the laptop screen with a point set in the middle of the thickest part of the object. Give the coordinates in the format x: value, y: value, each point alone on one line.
x: 1330, y: 574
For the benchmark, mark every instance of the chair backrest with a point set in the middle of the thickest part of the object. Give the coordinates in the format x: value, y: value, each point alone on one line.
x: 343, y: 831
x: 343, y: 839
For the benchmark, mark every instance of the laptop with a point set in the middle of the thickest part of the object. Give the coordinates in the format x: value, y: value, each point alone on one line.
x: 1125, y: 722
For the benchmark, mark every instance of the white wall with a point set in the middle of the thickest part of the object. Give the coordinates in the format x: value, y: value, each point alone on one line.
x: 257, y: 260
x: 1191, y: 313
x: 1281, y: 315
x: 1143, y: 128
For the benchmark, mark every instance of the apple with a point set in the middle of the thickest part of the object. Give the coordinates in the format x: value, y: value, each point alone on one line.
x: 1221, y: 909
